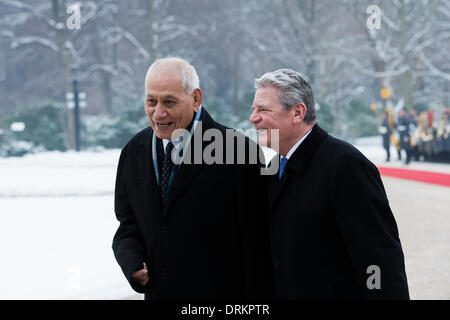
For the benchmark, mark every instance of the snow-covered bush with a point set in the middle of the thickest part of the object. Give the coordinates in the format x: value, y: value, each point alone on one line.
x: 113, y: 131
x: 44, y: 126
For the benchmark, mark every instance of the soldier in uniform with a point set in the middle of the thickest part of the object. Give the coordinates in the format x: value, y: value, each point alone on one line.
x: 386, y: 132
x: 414, y: 132
x: 405, y: 137
x: 394, y: 139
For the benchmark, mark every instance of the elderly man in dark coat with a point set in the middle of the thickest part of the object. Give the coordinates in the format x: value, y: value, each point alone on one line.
x: 333, y: 233
x: 190, y: 229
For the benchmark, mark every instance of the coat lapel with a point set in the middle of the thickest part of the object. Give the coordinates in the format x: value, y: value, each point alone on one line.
x: 297, y: 164
x: 152, y: 203
x: 276, y: 186
x: 183, y: 176
x: 147, y: 159
x: 186, y: 172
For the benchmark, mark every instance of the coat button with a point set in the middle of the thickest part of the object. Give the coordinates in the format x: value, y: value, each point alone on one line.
x: 276, y: 263
x: 163, y: 229
x: 164, y: 272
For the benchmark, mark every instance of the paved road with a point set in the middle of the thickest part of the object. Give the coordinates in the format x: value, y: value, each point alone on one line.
x: 423, y: 217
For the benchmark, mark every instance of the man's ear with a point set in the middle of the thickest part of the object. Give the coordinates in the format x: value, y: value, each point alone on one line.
x: 197, y: 96
x: 299, y: 112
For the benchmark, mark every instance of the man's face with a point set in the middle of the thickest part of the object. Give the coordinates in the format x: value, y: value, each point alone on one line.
x: 167, y: 105
x: 268, y: 114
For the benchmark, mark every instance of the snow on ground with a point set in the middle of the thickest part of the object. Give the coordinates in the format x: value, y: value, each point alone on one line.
x: 59, y: 248
x: 421, y: 212
x: 58, y: 223
x: 59, y: 174
x: 57, y: 227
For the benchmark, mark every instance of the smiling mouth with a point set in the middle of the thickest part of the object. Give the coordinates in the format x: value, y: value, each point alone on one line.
x: 160, y: 124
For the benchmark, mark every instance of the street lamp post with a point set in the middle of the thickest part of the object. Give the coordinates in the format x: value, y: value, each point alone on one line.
x: 76, y: 111
x: 75, y: 101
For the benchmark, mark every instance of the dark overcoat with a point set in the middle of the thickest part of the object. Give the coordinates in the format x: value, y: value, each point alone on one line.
x: 211, y: 240
x: 332, y: 227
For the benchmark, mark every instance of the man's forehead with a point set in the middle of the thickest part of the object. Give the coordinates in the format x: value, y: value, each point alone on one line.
x: 163, y: 85
x: 265, y: 96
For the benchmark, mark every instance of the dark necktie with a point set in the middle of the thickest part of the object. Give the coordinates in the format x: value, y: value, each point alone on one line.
x: 166, y: 171
x: 283, y: 162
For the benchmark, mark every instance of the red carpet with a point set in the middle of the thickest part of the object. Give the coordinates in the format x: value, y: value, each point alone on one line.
x: 442, y: 179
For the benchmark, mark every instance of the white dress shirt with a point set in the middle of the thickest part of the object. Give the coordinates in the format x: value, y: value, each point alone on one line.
x: 176, y: 144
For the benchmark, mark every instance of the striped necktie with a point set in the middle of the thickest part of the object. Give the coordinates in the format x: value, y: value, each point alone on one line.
x: 166, y: 171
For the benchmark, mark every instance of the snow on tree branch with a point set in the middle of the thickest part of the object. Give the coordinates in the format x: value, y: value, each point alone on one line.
x: 435, y: 71
x: 34, y: 39
x: 35, y: 11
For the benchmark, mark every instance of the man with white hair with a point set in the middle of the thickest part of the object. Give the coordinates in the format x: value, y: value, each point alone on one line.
x: 189, y: 230
x: 333, y: 234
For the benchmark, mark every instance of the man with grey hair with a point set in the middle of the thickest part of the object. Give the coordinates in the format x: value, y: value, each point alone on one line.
x: 191, y: 230
x: 332, y: 231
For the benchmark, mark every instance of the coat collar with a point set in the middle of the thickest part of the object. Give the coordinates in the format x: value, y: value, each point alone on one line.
x: 297, y: 163
x: 186, y: 172
x: 302, y: 156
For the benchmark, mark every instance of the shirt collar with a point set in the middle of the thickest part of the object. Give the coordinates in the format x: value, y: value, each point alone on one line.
x: 289, y: 154
x: 176, y: 143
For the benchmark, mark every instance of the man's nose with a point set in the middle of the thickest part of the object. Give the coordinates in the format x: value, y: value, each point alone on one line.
x: 254, y: 118
x: 160, y: 111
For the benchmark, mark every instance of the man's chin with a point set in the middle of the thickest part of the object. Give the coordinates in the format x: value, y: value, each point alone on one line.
x: 267, y: 143
x: 163, y: 135
x: 262, y: 141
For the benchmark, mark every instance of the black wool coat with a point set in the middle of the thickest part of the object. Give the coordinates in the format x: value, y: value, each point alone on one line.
x: 211, y: 240
x: 330, y: 222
